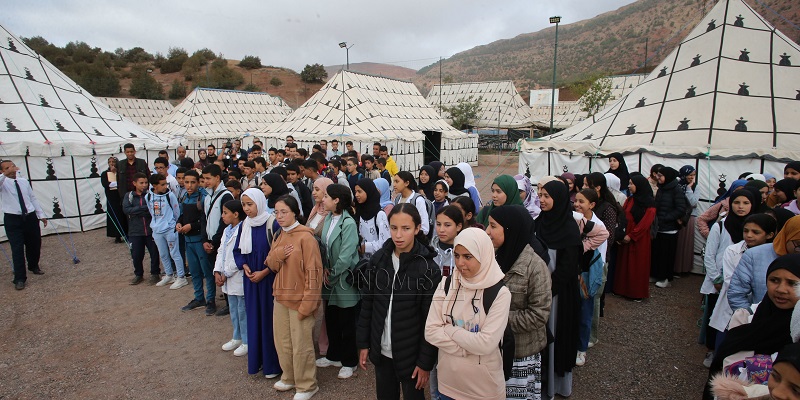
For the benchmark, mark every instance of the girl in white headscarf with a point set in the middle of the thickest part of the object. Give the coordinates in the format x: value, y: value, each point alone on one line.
x: 469, y: 184
x: 467, y: 335
x: 529, y: 197
x: 613, y: 182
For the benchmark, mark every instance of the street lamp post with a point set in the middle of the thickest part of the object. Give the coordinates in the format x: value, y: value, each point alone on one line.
x: 347, y: 48
x: 554, y: 20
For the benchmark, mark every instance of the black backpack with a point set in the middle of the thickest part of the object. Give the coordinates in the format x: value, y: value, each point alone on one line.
x: 507, y: 344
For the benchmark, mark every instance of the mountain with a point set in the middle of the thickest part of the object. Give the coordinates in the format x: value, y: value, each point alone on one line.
x: 389, y: 71
x: 610, y: 43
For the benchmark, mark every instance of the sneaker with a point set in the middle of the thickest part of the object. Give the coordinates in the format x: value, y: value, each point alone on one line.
x: 663, y: 284
x: 166, y: 280
x: 591, y: 344
x: 324, y: 363
x: 233, y: 344
x: 580, y: 360
x: 222, y: 311
x: 271, y: 376
x: 709, y: 359
x: 136, y: 280
x: 347, y: 372
x: 282, y: 386
x: 154, y: 279
x: 179, y: 283
x: 193, y: 304
x: 240, y: 351
x: 305, y: 395
x: 211, y: 309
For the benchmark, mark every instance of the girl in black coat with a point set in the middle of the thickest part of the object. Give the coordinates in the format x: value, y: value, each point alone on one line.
x: 671, y: 204
x: 402, y: 280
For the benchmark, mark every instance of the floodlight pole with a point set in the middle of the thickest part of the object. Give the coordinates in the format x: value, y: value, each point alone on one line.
x: 347, y: 49
x: 554, y: 20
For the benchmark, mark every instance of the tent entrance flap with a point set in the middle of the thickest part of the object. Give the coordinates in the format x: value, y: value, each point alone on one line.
x: 433, y: 142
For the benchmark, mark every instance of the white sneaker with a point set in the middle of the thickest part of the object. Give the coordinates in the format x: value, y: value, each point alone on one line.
x: 346, y: 373
x: 591, y: 344
x: 580, y: 360
x: 166, y: 280
x: 240, y: 351
x: 305, y: 395
x: 663, y: 284
x: 232, y: 345
x: 324, y: 363
x: 179, y: 283
x: 709, y: 359
x: 271, y: 376
x: 282, y: 386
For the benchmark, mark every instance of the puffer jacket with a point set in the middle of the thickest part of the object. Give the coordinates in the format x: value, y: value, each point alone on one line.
x: 528, y: 280
x: 413, y: 287
x: 670, y: 206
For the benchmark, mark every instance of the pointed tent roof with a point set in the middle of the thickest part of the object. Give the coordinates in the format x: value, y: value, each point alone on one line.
x: 144, y: 112
x: 43, y: 111
x: 220, y: 114
x: 497, y: 99
x: 364, y: 107
x: 731, y: 88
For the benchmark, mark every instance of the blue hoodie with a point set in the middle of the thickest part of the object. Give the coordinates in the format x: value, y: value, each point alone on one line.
x: 165, y: 210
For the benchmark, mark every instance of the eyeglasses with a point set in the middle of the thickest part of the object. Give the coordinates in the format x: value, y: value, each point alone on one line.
x: 283, y: 213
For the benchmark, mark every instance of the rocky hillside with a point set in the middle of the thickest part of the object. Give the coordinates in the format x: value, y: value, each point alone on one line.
x: 613, y: 42
x: 387, y: 70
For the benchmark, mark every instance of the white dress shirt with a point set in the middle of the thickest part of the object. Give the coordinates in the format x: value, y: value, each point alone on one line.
x: 10, y: 201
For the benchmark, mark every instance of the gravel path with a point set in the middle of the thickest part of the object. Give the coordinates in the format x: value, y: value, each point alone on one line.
x: 80, y: 331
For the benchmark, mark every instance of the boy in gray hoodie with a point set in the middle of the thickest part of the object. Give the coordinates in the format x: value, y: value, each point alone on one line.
x: 140, y: 237
x: 164, y: 209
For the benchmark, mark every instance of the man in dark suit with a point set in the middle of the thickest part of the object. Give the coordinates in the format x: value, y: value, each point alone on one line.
x: 21, y: 215
x: 128, y: 167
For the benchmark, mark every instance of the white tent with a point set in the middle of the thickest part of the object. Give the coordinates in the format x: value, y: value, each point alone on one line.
x: 60, y: 137
x: 501, y: 105
x: 214, y: 116
x: 144, y: 112
x: 569, y: 113
x: 365, y: 109
x: 726, y: 100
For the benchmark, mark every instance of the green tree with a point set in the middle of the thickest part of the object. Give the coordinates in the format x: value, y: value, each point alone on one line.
x: 137, y: 55
x: 250, y: 62
x: 313, y: 74
x: 275, y: 81
x: 174, y: 61
x: 95, y: 78
x: 144, y: 86
x: 464, y: 113
x: 251, y: 87
x: 177, y: 90
x: 219, y: 76
x: 596, y: 97
x: 205, y: 54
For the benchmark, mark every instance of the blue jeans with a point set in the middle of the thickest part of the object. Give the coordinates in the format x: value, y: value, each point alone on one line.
x: 238, y: 317
x: 585, y: 324
x: 169, y: 251
x: 433, y: 380
x: 444, y: 397
x: 201, y: 268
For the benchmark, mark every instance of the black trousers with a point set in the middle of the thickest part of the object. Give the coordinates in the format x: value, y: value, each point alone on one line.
x: 138, y: 244
x: 388, y: 383
x: 25, y: 239
x: 341, y: 326
x: 662, y: 255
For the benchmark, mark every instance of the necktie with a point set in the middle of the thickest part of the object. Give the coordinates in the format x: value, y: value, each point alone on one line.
x: 21, y: 200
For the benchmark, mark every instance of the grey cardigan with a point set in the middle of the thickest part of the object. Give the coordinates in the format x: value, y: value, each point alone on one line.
x: 528, y: 280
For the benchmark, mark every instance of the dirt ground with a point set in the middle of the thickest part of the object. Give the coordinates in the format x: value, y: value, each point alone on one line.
x: 80, y: 331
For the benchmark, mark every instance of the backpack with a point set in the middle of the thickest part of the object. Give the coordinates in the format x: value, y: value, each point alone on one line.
x: 428, y: 207
x: 507, y: 344
x: 271, y: 236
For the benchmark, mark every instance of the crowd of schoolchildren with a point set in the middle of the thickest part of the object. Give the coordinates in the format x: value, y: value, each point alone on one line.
x: 440, y: 292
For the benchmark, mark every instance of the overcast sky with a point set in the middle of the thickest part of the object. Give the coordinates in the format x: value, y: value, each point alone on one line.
x: 411, y: 33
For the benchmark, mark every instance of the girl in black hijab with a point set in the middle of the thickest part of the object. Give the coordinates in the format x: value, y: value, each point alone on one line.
x: 520, y: 231
x: 438, y: 168
x: 427, y: 187
x: 643, y: 198
x: 276, y: 186
x: 372, y: 205
x: 558, y: 229
x: 769, y: 330
x: 786, y: 187
x: 457, y: 187
x: 734, y: 224
x: 621, y: 170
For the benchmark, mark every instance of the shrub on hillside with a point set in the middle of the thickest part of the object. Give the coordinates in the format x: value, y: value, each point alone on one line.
x: 313, y: 74
x: 144, y: 86
x: 174, y: 61
x: 219, y: 76
x: 177, y: 90
x: 275, y: 81
x: 251, y: 87
x: 95, y: 78
x: 250, y: 62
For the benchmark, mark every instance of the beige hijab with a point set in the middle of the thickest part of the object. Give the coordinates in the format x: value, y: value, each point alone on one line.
x: 321, y: 183
x: 478, y: 243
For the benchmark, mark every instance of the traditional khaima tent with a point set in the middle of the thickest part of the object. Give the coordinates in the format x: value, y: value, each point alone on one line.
x: 60, y: 137
x: 569, y: 113
x: 501, y: 106
x: 214, y: 116
x: 364, y: 109
x: 726, y: 100
x: 144, y: 112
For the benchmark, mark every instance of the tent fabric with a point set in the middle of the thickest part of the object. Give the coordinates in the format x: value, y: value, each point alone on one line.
x: 729, y: 90
x: 43, y: 112
x: 498, y: 99
x: 569, y: 113
x: 364, y: 109
x: 212, y: 114
x: 144, y: 112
